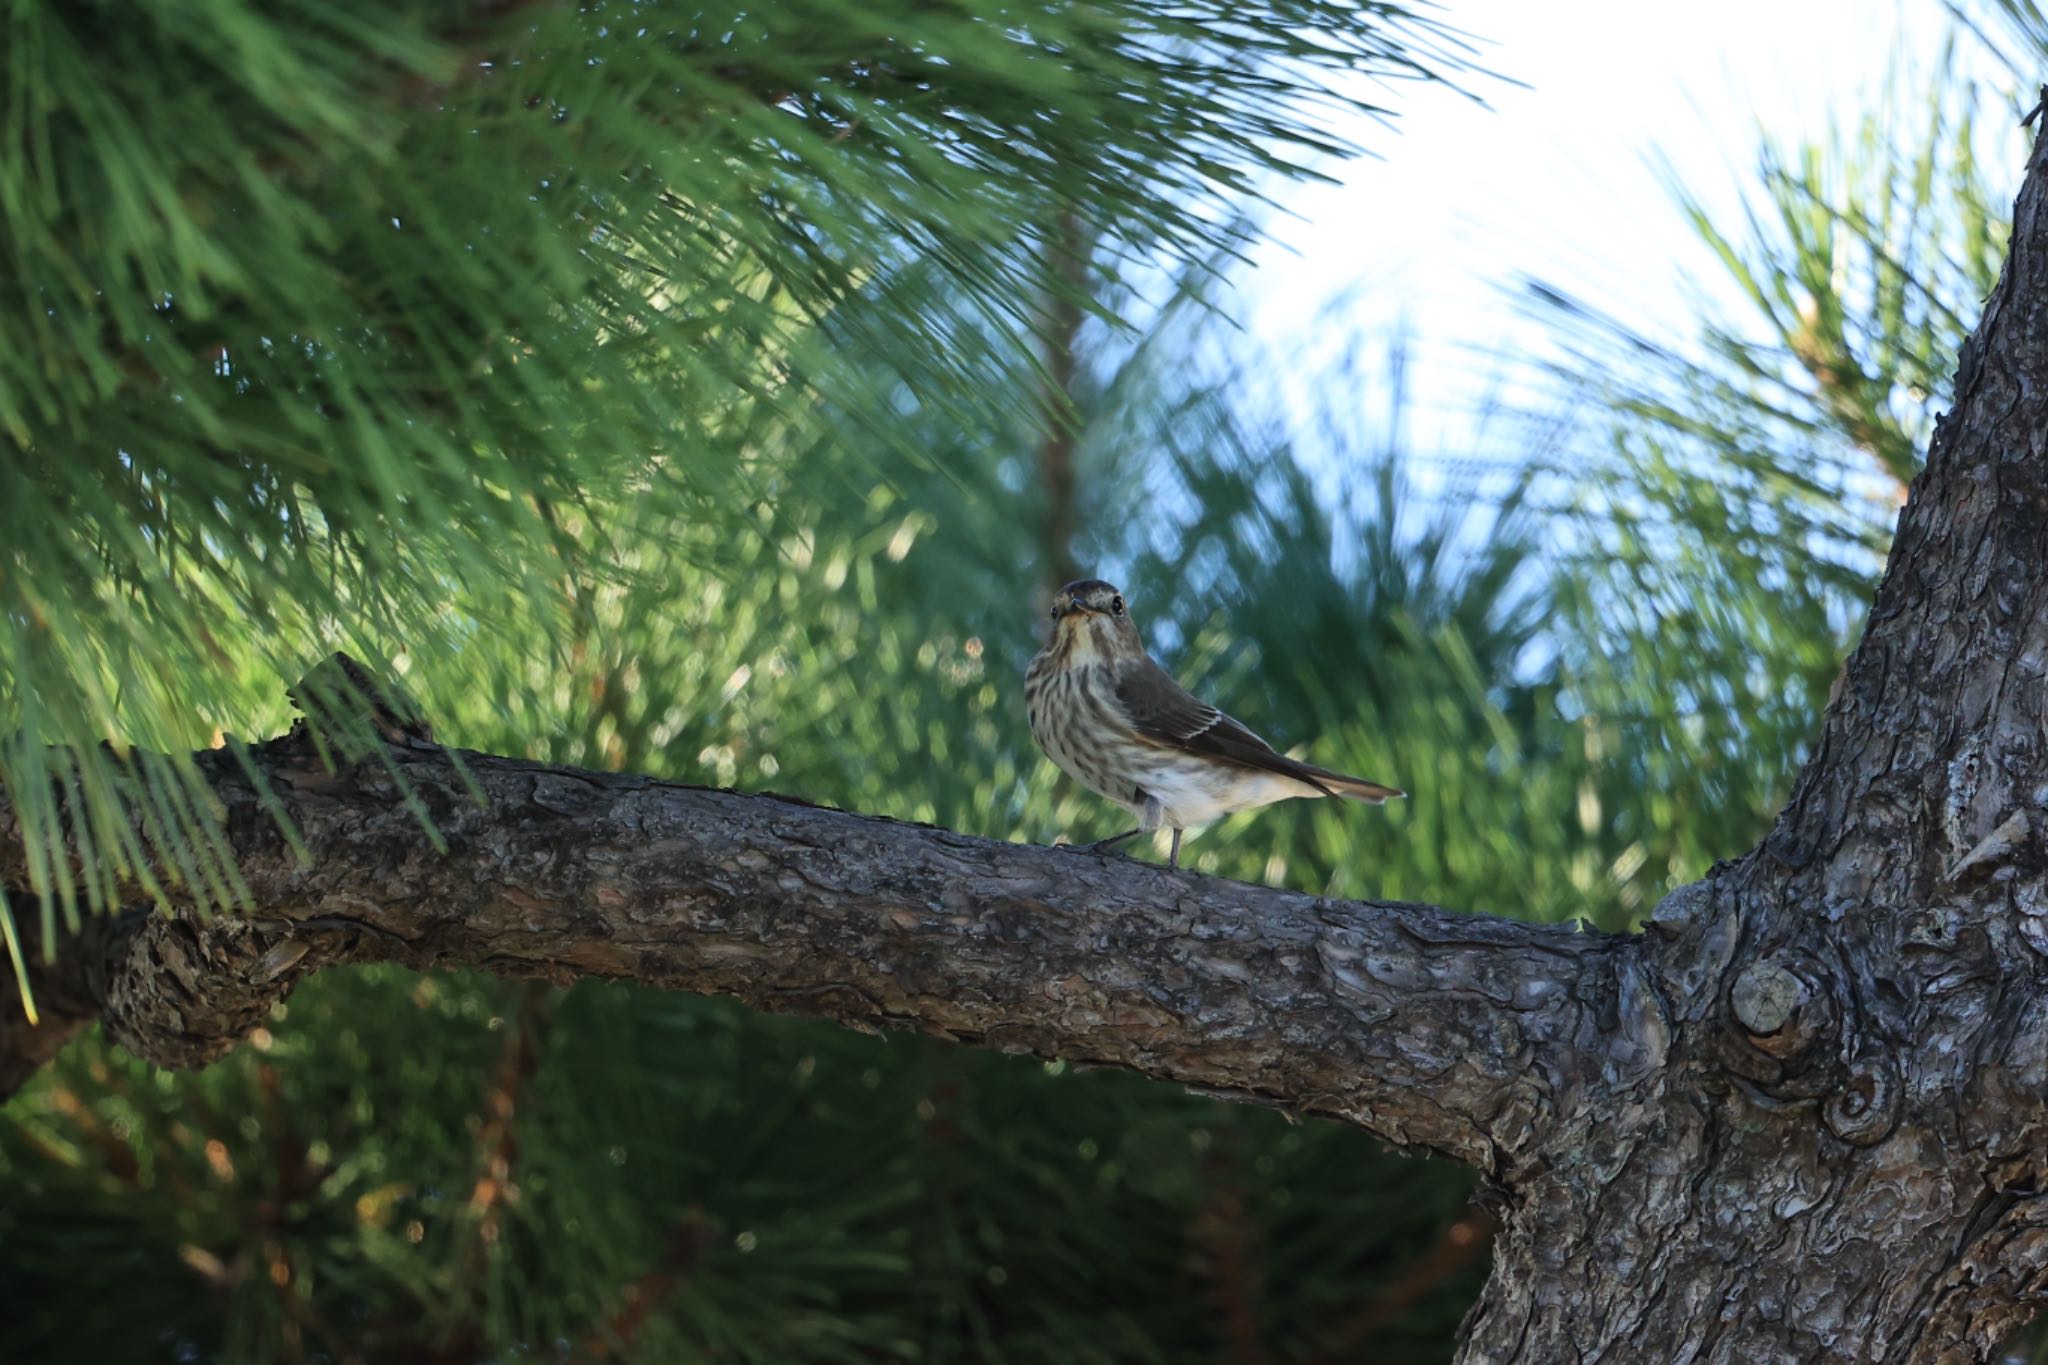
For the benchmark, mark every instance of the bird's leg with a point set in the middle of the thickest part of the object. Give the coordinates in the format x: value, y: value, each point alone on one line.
x: 1151, y: 815
x: 1109, y: 845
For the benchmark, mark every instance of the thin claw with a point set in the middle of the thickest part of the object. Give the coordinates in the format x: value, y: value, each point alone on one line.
x: 1109, y: 845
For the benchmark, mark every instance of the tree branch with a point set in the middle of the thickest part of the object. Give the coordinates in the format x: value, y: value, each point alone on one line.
x: 1451, y: 1032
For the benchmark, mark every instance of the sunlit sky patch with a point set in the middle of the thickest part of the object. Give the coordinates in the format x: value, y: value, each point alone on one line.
x: 1557, y: 178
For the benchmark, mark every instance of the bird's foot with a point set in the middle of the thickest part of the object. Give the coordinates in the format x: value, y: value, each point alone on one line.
x: 1111, y: 844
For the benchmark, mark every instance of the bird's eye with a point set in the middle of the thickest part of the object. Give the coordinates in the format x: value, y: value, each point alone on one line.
x: 1116, y: 604
x: 1054, y: 613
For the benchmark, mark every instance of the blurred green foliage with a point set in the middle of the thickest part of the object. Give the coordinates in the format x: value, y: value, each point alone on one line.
x: 724, y: 459
x: 646, y: 388
x: 323, y: 321
x: 454, y: 1169
x: 1728, y: 513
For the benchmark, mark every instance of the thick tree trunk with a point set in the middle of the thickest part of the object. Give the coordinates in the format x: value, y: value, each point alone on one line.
x: 1842, y: 1157
x: 1803, y: 1116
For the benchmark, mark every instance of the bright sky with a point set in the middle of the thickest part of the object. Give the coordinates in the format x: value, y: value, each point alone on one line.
x: 1558, y: 180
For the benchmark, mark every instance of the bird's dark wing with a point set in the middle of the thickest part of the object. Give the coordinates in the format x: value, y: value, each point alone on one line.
x: 1167, y: 714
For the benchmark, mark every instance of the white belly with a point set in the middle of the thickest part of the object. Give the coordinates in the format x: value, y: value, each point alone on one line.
x: 1195, y: 794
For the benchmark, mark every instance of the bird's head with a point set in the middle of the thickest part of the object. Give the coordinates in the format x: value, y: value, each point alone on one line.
x: 1089, y: 616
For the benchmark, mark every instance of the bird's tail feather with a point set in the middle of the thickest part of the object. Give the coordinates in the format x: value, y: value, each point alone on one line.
x: 1356, y: 788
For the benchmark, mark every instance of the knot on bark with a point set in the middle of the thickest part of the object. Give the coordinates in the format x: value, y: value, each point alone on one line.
x: 187, y: 991
x: 1792, y: 1046
x: 1780, y: 1006
x: 1865, y: 1106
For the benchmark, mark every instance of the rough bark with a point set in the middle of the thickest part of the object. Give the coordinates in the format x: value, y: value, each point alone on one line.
x: 1843, y: 1157
x: 1445, y: 1031
x: 1803, y: 1116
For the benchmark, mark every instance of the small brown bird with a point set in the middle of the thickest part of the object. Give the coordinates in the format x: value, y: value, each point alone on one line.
x: 1119, y: 725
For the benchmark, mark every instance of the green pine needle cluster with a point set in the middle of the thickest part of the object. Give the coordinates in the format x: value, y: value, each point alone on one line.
x: 326, y: 326
x: 1733, y: 506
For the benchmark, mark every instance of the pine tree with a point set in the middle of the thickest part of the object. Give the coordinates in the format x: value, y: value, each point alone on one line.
x: 657, y: 486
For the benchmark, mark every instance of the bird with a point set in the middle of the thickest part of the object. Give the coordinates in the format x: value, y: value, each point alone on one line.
x: 1117, y: 723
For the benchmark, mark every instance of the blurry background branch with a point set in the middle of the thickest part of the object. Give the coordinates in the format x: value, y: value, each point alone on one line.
x: 1065, y: 310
